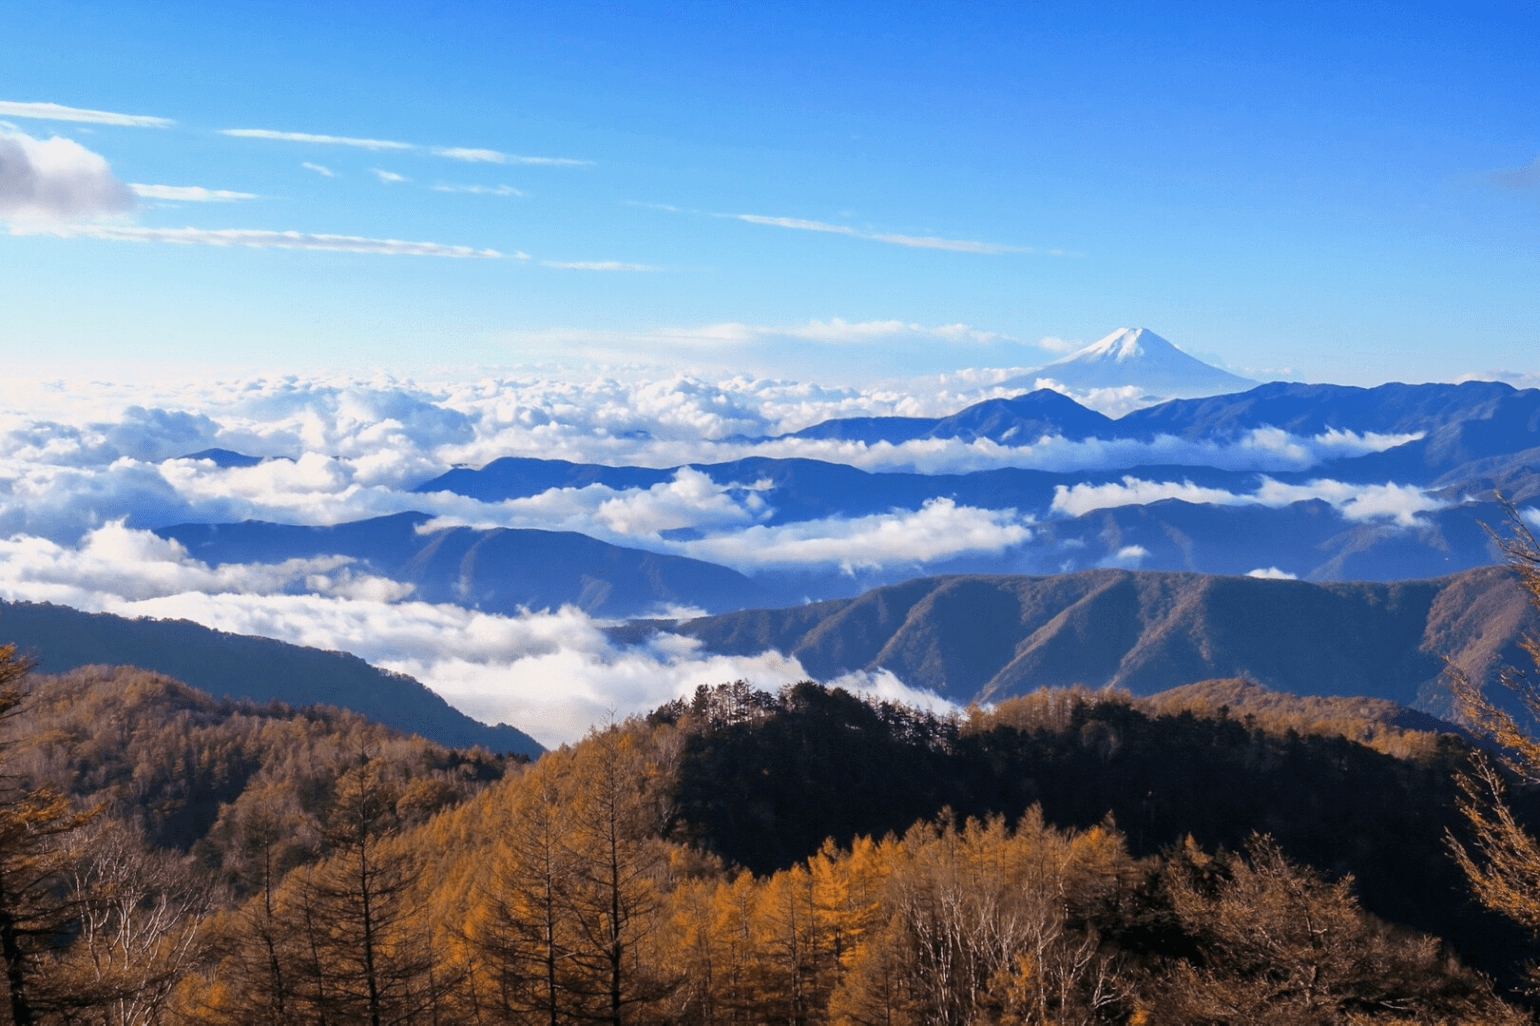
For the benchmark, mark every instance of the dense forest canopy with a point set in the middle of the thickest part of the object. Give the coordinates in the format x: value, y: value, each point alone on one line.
x: 806, y: 856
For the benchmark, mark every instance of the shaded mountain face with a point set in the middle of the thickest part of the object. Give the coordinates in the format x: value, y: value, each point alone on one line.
x: 1022, y: 420
x: 517, y: 477
x: 986, y: 637
x: 243, y: 667
x: 1464, y: 421
x: 1137, y: 358
x: 1308, y: 538
x: 498, y: 570
x: 224, y: 458
x: 1489, y: 416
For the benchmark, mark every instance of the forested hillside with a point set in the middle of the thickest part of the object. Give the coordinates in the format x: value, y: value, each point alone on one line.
x: 984, y: 637
x: 1219, y: 853
x: 248, y: 668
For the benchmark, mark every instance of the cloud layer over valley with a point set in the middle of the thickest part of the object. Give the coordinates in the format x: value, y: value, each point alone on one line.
x: 75, y: 455
x: 89, y: 470
x: 551, y: 673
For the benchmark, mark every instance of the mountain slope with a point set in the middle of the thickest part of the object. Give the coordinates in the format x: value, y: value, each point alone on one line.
x: 1478, y: 417
x: 985, y: 637
x: 240, y: 666
x: 1139, y: 358
x: 1021, y: 420
x: 517, y: 477
x: 1460, y: 422
x: 497, y: 570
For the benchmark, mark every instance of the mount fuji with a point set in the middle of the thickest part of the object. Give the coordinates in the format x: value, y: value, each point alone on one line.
x: 1139, y: 358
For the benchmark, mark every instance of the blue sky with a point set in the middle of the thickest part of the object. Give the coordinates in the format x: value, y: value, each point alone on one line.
x: 1347, y: 191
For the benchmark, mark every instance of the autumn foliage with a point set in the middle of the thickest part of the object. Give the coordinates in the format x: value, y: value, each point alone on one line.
x: 738, y: 857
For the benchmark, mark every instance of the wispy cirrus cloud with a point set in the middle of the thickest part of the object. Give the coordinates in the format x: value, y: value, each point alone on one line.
x: 253, y: 238
x: 188, y: 193
x: 597, y: 265
x: 59, y: 112
x: 467, y: 154
x: 728, y: 334
x: 478, y: 156
x: 839, y: 330
x: 388, y: 177
x: 479, y: 190
x: 911, y: 241
x: 311, y: 137
x: 320, y: 169
x: 57, y: 187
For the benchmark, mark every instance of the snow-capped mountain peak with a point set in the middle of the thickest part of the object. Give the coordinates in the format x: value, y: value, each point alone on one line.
x: 1121, y: 346
x: 1135, y: 358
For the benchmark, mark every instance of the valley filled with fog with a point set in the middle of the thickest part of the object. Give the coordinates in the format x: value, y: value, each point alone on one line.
x: 755, y: 492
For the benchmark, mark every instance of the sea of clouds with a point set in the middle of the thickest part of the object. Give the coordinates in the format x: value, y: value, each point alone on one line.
x: 88, y: 468
x: 551, y: 673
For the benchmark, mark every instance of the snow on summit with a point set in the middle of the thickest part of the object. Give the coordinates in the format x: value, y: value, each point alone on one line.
x: 1120, y: 347
x: 1136, y: 358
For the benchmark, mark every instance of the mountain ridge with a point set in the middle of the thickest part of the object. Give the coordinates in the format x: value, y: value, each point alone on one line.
x: 243, y: 666
x: 496, y: 569
x: 980, y: 638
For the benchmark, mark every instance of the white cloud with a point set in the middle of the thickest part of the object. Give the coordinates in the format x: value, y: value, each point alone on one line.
x: 1518, y: 379
x: 462, y: 153
x: 1055, y: 344
x: 388, y: 177
x: 58, y: 187
x: 138, y: 565
x: 479, y: 190
x: 189, y: 193
x: 552, y: 674
x: 689, y: 499
x: 1262, y: 449
x: 55, y: 180
x: 1113, y: 402
x: 1272, y: 573
x: 1402, y: 504
x: 597, y: 265
x: 1359, y: 502
x: 258, y: 239
x: 839, y: 330
x: 309, y: 137
x: 911, y: 241
x: 76, y: 453
x: 320, y: 169
x: 941, y: 529
x: 624, y: 345
x: 478, y: 156
x: 59, y: 112
x: 1128, y: 557
x: 1077, y: 500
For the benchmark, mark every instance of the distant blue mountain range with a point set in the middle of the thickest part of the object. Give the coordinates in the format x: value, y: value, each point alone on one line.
x: 1474, y: 418
x: 1466, y: 441
x: 496, y: 570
